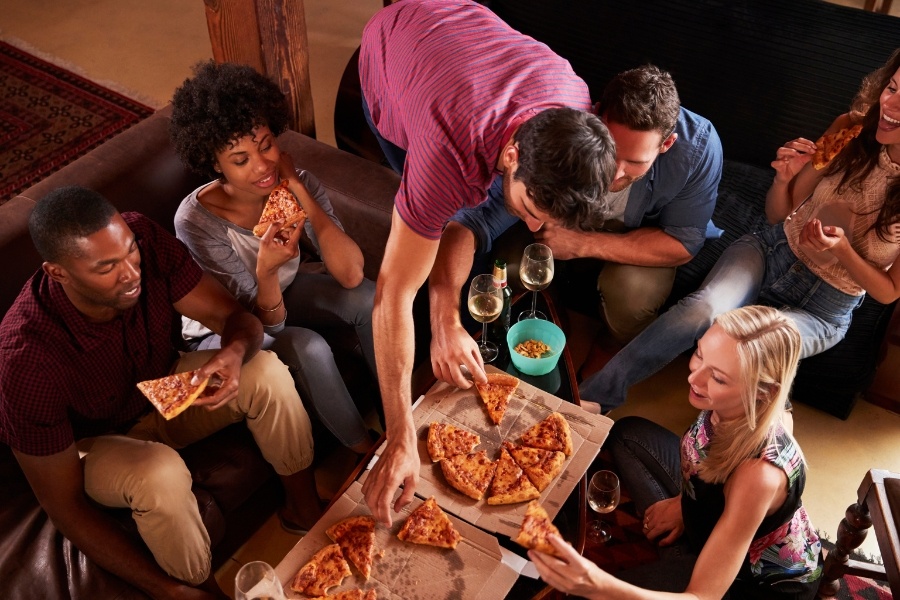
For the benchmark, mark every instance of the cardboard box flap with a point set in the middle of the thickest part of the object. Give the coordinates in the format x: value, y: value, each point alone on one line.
x: 405, y: 571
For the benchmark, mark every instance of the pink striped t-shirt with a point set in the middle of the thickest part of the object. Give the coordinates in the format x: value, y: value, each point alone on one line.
x: 449, y: 82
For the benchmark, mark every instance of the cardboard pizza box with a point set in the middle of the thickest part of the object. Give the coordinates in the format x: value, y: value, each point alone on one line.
x: 475, y: 569
x: 529, y: 405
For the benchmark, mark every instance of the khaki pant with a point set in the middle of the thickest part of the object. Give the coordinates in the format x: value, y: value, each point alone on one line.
x: 142, y: 471
x: 630, y: 297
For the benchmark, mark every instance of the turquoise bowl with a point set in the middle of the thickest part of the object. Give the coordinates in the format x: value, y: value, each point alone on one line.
x: 542, y: 331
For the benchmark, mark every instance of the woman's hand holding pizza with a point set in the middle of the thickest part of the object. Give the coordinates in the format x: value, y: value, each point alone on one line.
x: 275, y: 249
x: 792, y: 157
x: 571, y: 573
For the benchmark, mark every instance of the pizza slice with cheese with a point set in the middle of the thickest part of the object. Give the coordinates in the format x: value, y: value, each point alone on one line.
x: 350, y: 595
x: 172, y: 394
x: 281, y: 206
x: 446, y: 440
x: 830, y: 145
x: 429, y: 525
x: 510, y: 484
x: 553, y: 433
x: 356, y: 537
x: 471, y: 474
x: 541, y: 466
x: 325, y: 570
x: 496, y: 394
x: 536, y: 529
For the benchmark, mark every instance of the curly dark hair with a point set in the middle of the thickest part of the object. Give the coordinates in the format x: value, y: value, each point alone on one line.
x: 861, y: 154
x: 567, y: 159
x: 642, y: 99
x: 219, y: 104
x: 65, y: 215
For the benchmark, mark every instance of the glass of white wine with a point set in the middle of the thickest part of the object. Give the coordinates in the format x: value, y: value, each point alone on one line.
x: 485, y: 304
x: 603, y: 497
x: 536, y: 272
x: 257, y: 581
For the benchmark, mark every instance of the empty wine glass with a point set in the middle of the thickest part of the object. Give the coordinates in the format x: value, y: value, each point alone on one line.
x: 485, y: 304
x: 536, y: 272
x: 603, y: 497
x: 257, y: 581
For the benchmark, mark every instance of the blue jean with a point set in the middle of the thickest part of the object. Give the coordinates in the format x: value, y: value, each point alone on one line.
x: 757, y: 268
x: 318, y: 302
x: 647, y: 458
x: 396, y: 156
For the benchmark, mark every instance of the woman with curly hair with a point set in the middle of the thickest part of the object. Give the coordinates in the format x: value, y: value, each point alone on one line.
x: 225, y: 122
x: 724, y: 500
x: 836, y: 238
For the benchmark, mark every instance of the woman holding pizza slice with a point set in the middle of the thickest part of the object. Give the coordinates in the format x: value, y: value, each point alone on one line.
x: 724, y: 500
x: 224, y: 124
x: 835, y: 238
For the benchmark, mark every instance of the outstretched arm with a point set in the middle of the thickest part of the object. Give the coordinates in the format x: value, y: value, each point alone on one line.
x: 408, y: 258
x: 58, y: 483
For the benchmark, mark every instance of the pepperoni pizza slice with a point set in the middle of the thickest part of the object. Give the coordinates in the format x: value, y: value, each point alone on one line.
x: 356, y: 537
x: 172, y: 394
x: 429, y: 525
x: 830, y: 145
x: 496, y: 394
x: 281, y: 206
x: 326, y: 569
x: 553, y: 433
x: 541, y: 466
x: 445, y: 440
x: 536, y: 529
x: 510, y: 484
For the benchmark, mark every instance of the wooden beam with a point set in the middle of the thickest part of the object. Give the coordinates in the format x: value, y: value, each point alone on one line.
x: 270, y: 36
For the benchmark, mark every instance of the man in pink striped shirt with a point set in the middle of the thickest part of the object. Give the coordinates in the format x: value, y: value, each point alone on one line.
x: 457, y: 98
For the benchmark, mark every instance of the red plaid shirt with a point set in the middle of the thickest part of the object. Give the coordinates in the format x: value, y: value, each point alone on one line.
x: 63, y: 377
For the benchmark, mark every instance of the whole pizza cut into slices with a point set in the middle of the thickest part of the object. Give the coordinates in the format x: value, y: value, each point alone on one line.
x: 326, y: 569
x: 541, y: 466
x: 496, y: 394
x: 445, y: 440
x: 552, y: 433
x: 172, y: 394
x: 430, y: 526
x: 350, y: 595
x: 536, y: 529
x: 356, y: 537
x: 281, y: 206
x: 471, y: 474
x: 510, y: 484
x: 830, y: 145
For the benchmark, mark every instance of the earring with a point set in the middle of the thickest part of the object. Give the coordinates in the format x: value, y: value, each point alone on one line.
x: 217, y: 169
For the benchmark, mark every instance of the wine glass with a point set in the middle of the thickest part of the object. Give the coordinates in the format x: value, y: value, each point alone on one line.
x: 485, y: 304
x: 257, y: 581
x: 536, y: 272
x: 603, y: 497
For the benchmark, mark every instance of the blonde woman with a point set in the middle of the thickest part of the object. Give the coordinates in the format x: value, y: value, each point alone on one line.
x: 724, y: 502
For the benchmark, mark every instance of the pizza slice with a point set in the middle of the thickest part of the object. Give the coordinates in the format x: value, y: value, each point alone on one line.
x: 281, y: 206
x: 552, y: 433
x: 830, y: 145
x: 510, y: 484
x: 445, y: 440
x: 429, y: 525
x: 536, y: 529
x: 496, y: 394
x: 471, y: 474
x: 350, y: 595
x: 172, y: 394
x: 541, y: 466
x: 326, y: 569
x: 356, y: 537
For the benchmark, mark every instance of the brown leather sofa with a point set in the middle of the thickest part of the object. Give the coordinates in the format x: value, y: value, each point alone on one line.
x: 138, y: 170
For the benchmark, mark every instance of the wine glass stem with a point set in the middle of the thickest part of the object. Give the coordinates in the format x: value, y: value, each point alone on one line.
x: 533, y: 303
x: 484, y: 334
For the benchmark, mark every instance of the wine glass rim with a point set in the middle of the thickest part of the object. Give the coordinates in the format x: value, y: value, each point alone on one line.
x: 605, y: 479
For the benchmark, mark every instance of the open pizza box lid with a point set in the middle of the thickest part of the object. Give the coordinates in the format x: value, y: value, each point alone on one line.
x: 476, y: 569
x: 529, y: 405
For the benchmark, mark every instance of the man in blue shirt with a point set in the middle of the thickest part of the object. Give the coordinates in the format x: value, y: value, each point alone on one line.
x: 669, y: 163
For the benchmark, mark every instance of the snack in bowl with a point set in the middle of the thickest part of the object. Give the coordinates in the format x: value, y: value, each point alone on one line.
x: 536, y: 330
x: 532, y: 348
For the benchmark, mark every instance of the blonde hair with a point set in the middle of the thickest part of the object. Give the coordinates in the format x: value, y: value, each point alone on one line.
x: 768, y: 348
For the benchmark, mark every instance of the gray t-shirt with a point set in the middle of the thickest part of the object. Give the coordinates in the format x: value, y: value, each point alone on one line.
x: 228, y: 252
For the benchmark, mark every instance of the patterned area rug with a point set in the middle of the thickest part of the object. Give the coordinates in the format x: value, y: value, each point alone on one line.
x: 49, y: 117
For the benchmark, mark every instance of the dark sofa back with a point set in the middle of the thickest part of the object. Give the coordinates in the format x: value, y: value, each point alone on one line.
x: 763, y: 71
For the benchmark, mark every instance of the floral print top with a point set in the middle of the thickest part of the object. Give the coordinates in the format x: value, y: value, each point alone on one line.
x: 785, y: 547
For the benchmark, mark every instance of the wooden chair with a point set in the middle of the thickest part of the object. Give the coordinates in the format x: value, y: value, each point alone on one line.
x: 878, y: 507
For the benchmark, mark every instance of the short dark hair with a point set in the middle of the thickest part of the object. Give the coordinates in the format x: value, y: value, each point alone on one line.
x: 219, y: 104
x: 567, y: 160
x: 64, y: 215
x: 642, y: 99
